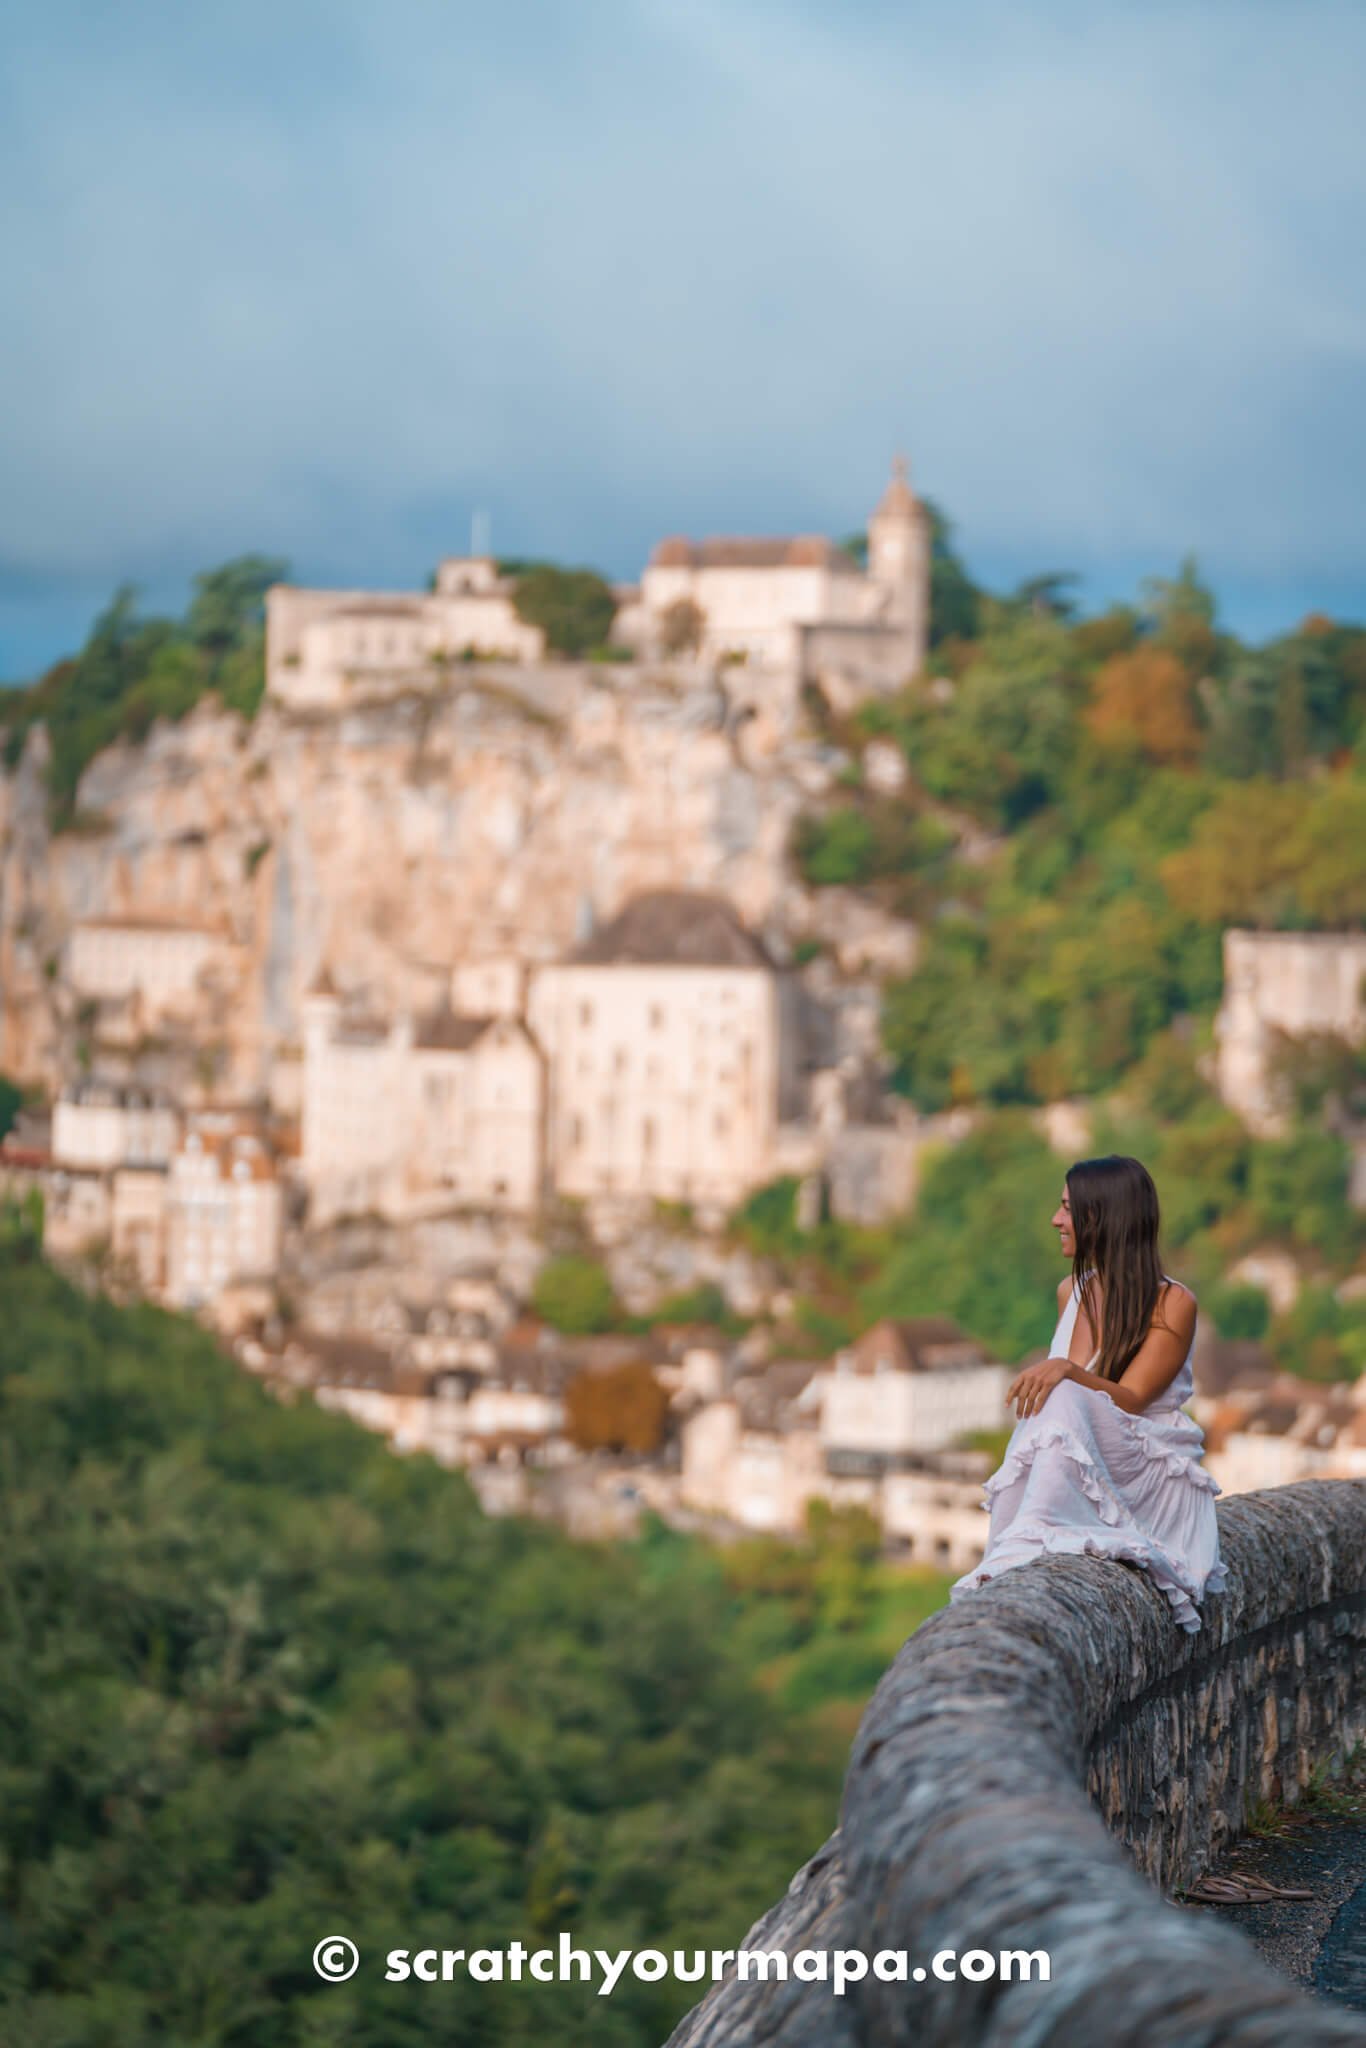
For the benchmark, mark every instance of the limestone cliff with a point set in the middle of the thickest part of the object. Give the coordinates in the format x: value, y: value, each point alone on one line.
x: 499, y: 812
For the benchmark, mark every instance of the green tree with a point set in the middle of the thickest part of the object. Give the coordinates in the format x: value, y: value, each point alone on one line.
x: 573, y: 607
x: 979, y: 1246
x: 955, y: 600
x: 134, y: 670
x: 228, y: 606
x: 574, y: 1294
x: 11, y: 1101
x: 261, y: 1677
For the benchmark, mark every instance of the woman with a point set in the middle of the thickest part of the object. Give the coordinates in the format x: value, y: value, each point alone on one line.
x: 1101, y: 1458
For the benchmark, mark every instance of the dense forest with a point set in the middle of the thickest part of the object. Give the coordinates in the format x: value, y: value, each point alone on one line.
x: 262, y: 1681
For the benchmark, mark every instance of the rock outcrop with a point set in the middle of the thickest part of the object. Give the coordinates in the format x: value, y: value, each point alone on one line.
x: 505, y: 811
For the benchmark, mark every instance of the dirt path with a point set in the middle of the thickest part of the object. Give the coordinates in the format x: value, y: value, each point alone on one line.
x: 1320, y: 1943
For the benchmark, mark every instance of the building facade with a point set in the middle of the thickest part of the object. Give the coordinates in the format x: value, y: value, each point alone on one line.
x: 1294, y: 983
x: 223, y: 1210
x: 324, y: 647
x: 661, y: 1034
x: 162, y: 964
x: 406, y: 1113
x: 104, y: 1124
x: 907, y: 1387
x: 803, y: 603
x: 647, y: 1063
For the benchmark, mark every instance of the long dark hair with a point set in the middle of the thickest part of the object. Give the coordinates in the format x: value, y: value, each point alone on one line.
x: 1115, y: 1224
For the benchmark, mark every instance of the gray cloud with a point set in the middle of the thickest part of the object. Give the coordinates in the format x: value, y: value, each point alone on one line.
x: 323, y: 279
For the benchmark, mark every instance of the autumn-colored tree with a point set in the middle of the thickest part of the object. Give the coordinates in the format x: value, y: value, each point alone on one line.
x: 1146, y: 698
x: 620, y: 1408
x: 1275, y: 854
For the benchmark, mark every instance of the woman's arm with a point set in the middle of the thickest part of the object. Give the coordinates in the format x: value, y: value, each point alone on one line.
x: 1150, y: 1371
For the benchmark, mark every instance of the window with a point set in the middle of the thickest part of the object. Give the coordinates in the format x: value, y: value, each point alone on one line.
x: 585, y: 1013
x: 656, y: 1017
x: 647, y: 1136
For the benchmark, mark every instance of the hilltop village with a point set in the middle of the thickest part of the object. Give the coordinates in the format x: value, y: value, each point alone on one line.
x: 337, y: 1024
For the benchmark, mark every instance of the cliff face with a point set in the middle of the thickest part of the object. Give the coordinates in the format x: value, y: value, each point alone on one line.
x: 391, y: 840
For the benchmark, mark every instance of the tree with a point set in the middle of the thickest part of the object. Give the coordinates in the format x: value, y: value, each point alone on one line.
x: 228, y: 606
x: 11, y: 1100
x: 575, y: 1295
x: 133, y: 670
x: 1004, y: 744
x: 1047, y: 597
x: 1146, y: 699
x: 621, y: 1408
x: 1180, y: 613
x: 573, y: 607
x: 259, y: 1672
x: 1275, y: 855
x: 1113, y: 632
x: 955, y: 600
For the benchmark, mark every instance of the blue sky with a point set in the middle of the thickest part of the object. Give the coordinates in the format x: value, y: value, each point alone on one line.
x: 324, y: 279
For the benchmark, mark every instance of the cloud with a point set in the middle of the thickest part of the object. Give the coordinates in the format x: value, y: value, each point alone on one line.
x: 323, y: 280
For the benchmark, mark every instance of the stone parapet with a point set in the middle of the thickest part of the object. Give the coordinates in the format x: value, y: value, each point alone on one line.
x: 1044, y: 1761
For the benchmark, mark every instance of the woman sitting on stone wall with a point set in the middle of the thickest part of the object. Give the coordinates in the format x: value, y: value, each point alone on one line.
x: 1102, y: 1459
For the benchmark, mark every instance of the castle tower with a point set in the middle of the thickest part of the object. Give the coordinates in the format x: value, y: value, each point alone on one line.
x: 899, y: 556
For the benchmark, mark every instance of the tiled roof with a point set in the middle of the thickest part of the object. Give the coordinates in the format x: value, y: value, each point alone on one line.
x: 673, y: 927
x: 918, y: 1344
x: 765, y: 1397
x: 448, y: 1031
x: 724, y: 551
x: 381, y: 607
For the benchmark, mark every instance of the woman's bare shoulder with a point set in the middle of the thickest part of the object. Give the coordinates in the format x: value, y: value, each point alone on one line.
x: 1178, y: 1300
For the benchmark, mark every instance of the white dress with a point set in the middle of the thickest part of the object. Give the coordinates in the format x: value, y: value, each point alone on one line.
x: 1082, y: 1474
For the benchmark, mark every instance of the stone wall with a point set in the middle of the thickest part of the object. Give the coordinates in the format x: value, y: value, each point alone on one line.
x: 1041, y: 1763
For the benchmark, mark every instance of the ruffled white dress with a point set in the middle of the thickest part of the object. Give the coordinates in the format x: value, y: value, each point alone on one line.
x: 1082, y: 1474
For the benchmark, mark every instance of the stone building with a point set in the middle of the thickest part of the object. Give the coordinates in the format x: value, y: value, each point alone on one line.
x: 759, y: 1454
x: 906, y: 1387
x: 802, y: 604
x: 103, y: 1124
x: 161, y: 967
x: 137, y: 1233
x: 325, y: 646
x: 663, y: 1040
x: 653, y: 1061
x: 401, y: 1113
x: 223, y: 1210
x: 753, y: 1456
x: 1290, y: 982
x: 933, y: 1512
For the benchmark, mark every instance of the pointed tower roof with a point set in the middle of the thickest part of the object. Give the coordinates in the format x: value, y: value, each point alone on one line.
x: 898, y: 500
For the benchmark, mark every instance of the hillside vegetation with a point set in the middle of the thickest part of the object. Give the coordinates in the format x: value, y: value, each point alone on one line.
x: 261, y: 1680
x: 133, y: 670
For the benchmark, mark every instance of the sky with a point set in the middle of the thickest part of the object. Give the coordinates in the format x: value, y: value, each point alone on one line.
x: 325, y: 279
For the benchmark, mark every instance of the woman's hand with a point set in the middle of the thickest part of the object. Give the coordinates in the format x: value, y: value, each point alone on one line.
x: 1032, y: 1387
